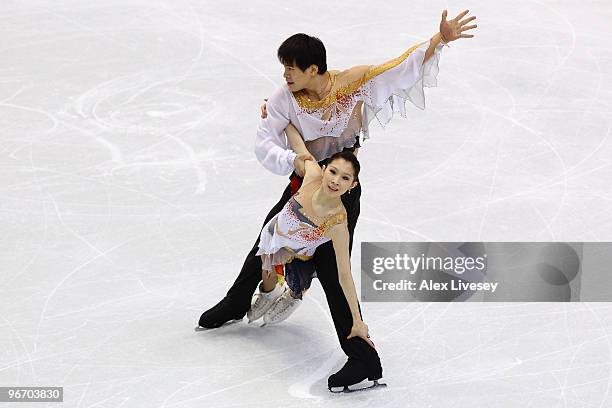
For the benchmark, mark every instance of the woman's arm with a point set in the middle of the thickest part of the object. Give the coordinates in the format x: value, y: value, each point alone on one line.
x: 340, y: 238
x: 312, y: 169
x: 295, y: 140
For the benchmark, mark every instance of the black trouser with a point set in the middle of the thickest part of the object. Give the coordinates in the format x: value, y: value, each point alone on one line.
x: 325, y: 264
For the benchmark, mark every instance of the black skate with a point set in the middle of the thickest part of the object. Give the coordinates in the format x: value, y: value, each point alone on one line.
x: 200, y: 328
x: 353, y: 373
x: 223, y: 312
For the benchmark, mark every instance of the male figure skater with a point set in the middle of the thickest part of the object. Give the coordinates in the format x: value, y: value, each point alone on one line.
x: 330, y: 110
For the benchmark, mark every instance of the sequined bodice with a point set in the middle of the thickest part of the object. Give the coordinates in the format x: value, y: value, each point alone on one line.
x: 298, y: 220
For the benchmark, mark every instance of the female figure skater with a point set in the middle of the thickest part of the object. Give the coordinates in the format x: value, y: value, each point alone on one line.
x: 311, y: 217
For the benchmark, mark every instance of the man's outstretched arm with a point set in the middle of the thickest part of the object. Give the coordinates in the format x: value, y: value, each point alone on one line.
x: 407, y: 74
x: 450, y: 30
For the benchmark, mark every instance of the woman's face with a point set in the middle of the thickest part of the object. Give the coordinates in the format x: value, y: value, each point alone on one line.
x: 338, y: 177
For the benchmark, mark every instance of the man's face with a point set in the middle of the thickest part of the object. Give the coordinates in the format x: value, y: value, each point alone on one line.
x: 296, y: 78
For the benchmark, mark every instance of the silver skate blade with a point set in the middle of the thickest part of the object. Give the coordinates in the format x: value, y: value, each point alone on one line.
x: 200, y: 328
x: 346, y: 388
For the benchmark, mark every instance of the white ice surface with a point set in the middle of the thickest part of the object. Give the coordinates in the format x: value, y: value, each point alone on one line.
x: 129, y: 195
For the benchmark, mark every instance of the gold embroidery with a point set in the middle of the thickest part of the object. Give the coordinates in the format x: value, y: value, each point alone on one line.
x: 346, y: 90
x: 331, y: 221
x: 296, y: 255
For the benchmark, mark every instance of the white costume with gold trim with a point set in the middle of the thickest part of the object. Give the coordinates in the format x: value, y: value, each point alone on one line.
x: 357, y: 97
x: 296, y: 231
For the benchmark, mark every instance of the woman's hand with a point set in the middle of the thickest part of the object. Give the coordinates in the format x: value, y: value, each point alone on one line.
x: 264, y: 111
x: 452, y: 30
x: 300, y: 163
x: 360, y: 329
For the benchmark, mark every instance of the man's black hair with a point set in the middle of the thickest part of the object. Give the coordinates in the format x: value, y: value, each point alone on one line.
x: 303, y: 51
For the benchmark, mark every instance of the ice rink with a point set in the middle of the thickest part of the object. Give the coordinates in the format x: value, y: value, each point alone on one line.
x: 130, y: 194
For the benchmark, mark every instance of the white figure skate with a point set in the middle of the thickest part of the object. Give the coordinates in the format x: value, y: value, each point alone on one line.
x: 282, y: 308
x: 262, y: 301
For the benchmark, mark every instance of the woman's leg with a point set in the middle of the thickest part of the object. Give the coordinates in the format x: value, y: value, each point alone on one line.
x: 269, y: 280
x: 299, y: 275
x: 268, y: 293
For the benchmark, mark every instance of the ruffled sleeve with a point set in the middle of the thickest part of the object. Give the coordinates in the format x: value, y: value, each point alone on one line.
x: 387, y: 87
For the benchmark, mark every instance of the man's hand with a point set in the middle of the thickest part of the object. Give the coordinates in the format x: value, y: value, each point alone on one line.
x: 360, y: 329
x: 300, y: 163
x: 452, y: 30
x: 264, y: 111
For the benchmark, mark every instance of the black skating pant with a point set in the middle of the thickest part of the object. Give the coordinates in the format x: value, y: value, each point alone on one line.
x: 239, y: 295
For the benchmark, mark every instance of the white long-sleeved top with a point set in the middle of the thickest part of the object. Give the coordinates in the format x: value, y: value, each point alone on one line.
x: 358, y: 95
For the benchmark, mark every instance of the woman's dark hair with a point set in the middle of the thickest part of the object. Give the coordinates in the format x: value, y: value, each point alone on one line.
x: 303, y: 51
x: 349, y: 157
